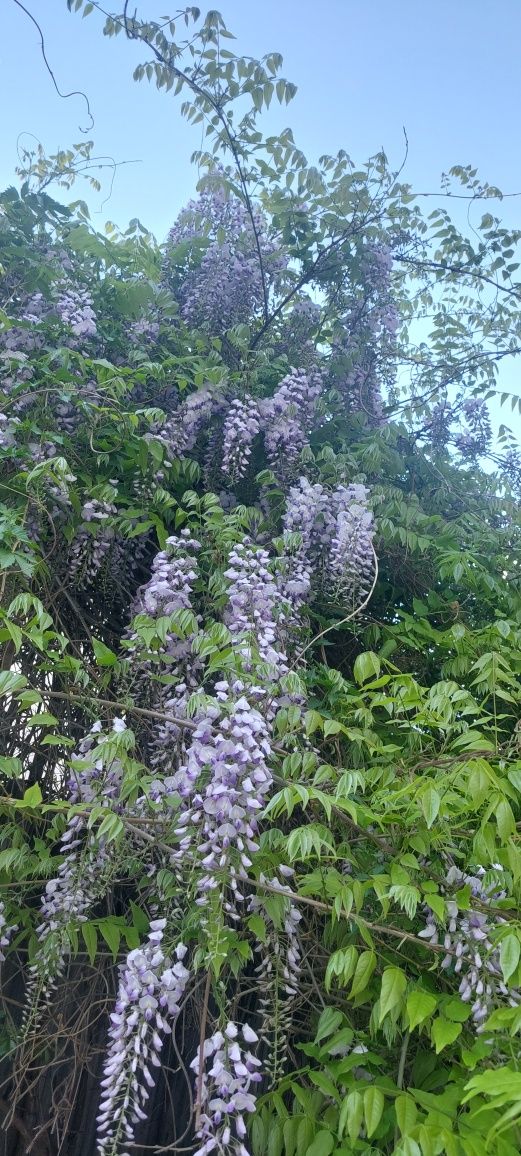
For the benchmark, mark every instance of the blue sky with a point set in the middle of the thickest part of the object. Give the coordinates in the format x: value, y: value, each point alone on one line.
x: 446, y: 70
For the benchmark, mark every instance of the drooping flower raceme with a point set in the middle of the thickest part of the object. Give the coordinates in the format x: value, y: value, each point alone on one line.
x: 74, y: 308
x: 7, y: 930
x: 241, y: 426
x: 219, y: 826
x: 150, y: 993
x: 350, y: 563
x: 90, y: 546
x: 364, y: 352
x: 475, y: 439
x: 180, y: 432
x: 82, y: 875
x: 287, y: 416
x: 213, y: 264
x: 168, y: 591
x: 255, y: 613
x: 225, y: 1076
x: 334, y: 551
x: 298, y: 327
x: 471, y: 954
x: 306, y: 511
x: 277, y: 974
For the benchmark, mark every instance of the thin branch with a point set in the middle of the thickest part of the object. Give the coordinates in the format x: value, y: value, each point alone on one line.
x: 188, y: 724
x: 342, y: 621
x: 202, y: 1036
x: 204, y: 95
x: 462, y: 270
x: 62, y: 95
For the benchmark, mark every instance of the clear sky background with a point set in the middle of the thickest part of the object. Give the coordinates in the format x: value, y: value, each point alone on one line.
x: 449, y: 71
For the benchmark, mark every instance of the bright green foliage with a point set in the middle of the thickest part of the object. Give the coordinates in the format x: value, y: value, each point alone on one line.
x: 397, y: 756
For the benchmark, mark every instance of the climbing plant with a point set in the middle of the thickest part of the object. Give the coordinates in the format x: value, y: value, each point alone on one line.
x: 261, y: 624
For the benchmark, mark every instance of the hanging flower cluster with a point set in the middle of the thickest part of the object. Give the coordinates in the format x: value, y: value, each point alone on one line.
x: 218, y: 828
x: 334, y: 549
x: 150, y: 994
x: 74, y: 308
x: 168, y: 591
x: 287, y: 417
x: 471, y: 954
x: 475, y: 439
x: 294, y: 340
x: 179, y: 434
x: 68, y: 303
x: 215, y: 246
x: 228, y: 1070
x: 82, y: 874
x: 241, y: 426
x: 278, y: 970
x: 91, y: 546
x: 7, y: 930
x: 362, y: 353
x: 255, y: 614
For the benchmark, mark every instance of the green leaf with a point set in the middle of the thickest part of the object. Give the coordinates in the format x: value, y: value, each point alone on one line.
x: 10, y: 682
x: 257, y: 926
x: 366, y: 666
x: 430, y: 805
x: 32, y: 796
x: 312, y: 721
x: 332, y: 727
x: 444, y: 1032
x: 394, y: 983
x: 44, y: 719
x: 509, y: 952
x: 506, y: 823
x: 111, y: 934
x: 406, y: 1113
x: 419, y: 1006
x: 374, y: 1103
x: 11, y: 766
x: 351, y: 1114
x: 322, y: 1145
x: 363, y: 972
x: 90, y: 937
x: 329, y: 1022
x: 103, y: 655
x: 275, y: 1139
x: 110, y: 828
x: 408, y: 1147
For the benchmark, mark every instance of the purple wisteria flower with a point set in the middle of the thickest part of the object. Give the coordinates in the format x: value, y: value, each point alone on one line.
x: 213, y: 265
x: 288, y: 416
x: 218, y: 828
x: 471, y: 954
x: 7, y: 930
x: 169, y: 590
x: 90, y: 547
x: 241, y: 426
x: 74, y: 307
x: 333, y: 551
x: 82, y: 875
x: 295, y: 339
x: 224, y: 1076
x: 364, y: 352
x: 179, y: 434
x: 255, y: 613
x: 150, y: 993
x: 8, y: 429
x: 350, y: 564
x: 475, y: 439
